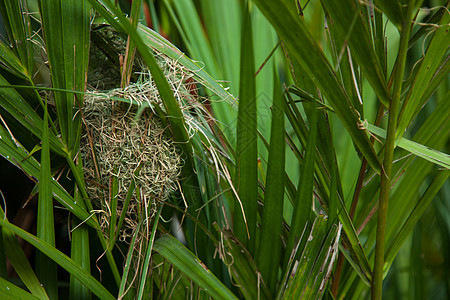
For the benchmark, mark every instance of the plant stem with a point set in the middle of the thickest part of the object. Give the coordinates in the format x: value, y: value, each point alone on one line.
x: 357, y: 192
x: 377, y: 278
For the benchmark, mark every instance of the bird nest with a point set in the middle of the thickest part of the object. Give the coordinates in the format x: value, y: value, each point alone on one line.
x: 131, y: 162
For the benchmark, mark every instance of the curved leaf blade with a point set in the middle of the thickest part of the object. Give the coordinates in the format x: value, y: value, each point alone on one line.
x: 282, y: 15
x: 18, y: 156
x: 62, y: 260
x: 20, y: 262
x: 10, y: 291
x: 192, y: 267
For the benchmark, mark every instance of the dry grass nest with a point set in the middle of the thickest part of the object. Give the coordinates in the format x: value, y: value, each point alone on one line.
x: 125, y: 144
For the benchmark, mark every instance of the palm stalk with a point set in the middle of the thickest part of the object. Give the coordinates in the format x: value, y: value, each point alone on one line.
x: 389, y: 146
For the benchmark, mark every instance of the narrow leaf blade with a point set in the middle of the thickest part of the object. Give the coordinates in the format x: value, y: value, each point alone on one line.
x: 61, y: 259
x: 185, y: 261
x: 45, y: 268
x: 245, y: 207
